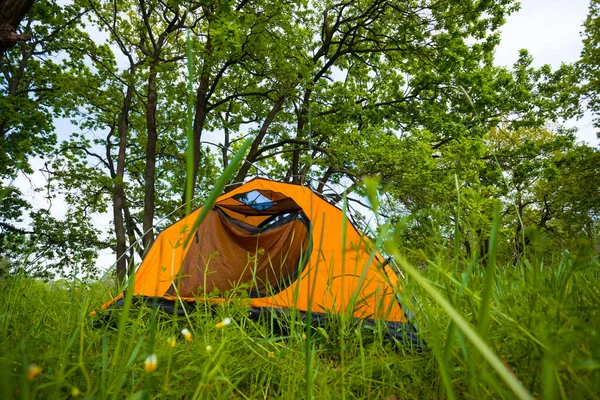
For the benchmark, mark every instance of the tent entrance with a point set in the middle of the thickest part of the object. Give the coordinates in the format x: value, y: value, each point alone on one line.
x: 257, y: 243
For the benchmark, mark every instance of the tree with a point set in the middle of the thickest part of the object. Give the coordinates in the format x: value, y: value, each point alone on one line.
x: 35, y: 83
x: 243, y: 51
x: 12, y: 13
x: 161, y: 22
x: 588, y: 64
x: 331, y: 92
x: 124, y: 108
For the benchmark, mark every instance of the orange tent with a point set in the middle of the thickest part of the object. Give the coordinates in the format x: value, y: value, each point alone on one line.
x: 283, y: 244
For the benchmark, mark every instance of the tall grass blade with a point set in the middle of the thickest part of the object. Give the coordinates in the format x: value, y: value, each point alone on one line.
x: 344, y: 317
x: 490, y: 277
x: 190, y: 120
x: 442, y: 359
x: 219, y: 186
x: 495, y: 362
x: 457, y: 225
x: 121, y: 334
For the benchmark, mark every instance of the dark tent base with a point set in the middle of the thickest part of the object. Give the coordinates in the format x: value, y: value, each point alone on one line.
x: 403, y: 333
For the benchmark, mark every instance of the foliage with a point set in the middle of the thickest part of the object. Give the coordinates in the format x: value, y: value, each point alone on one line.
x: 542, y: 323
x: 588, y: 64
x: 35, y: 88
x: 491, y: 208
x: 330, y: 93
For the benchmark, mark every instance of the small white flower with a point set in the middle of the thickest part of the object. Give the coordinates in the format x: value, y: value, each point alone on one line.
x: 150, y: 363
x: 208, y: 348
x: 186, y: 334
x: 33, y: 371
x: 226, y: 321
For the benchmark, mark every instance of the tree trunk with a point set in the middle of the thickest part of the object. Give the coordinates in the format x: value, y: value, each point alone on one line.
x: 200, y: 115
x: 519, y: 239
x: 468, y: 251
x: 306, y: 168
x: 324, y: 180
x: 150, y: 175
x: 226, y: 140
x: 302, y: 120
x: 483, y: 243
x: 243, y: 172
x: 131, y: 229
x: 119, y: 195
x: 129, y: 222
x: 295, y: 173
x: 12, y: 13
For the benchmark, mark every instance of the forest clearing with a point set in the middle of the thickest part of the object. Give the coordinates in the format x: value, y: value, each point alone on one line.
x: 306, y: 199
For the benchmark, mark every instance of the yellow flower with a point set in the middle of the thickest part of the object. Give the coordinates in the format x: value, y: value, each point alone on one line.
x: 224, y: 323
x: 75, y: 392
x: 172, y: 341
x: 303, y: 335
x: 150, y: 363
x: 186, y: 334
x: 33, y: 371
x: 271, y: 354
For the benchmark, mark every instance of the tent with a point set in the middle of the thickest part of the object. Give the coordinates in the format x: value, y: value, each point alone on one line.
x: 283, y: 244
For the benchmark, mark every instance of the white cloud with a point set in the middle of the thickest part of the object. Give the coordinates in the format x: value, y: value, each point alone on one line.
x: 550, y: 31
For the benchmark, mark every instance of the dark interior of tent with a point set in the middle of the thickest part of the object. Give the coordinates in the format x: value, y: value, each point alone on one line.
x: 256, y: 241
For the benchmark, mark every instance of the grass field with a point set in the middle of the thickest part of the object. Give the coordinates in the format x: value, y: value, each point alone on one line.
x: 541, y: 320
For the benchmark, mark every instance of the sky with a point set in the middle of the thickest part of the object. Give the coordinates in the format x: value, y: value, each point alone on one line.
x: 548, y: 29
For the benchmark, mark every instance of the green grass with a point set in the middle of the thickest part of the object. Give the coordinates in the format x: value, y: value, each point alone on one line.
x: 542, y: 326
